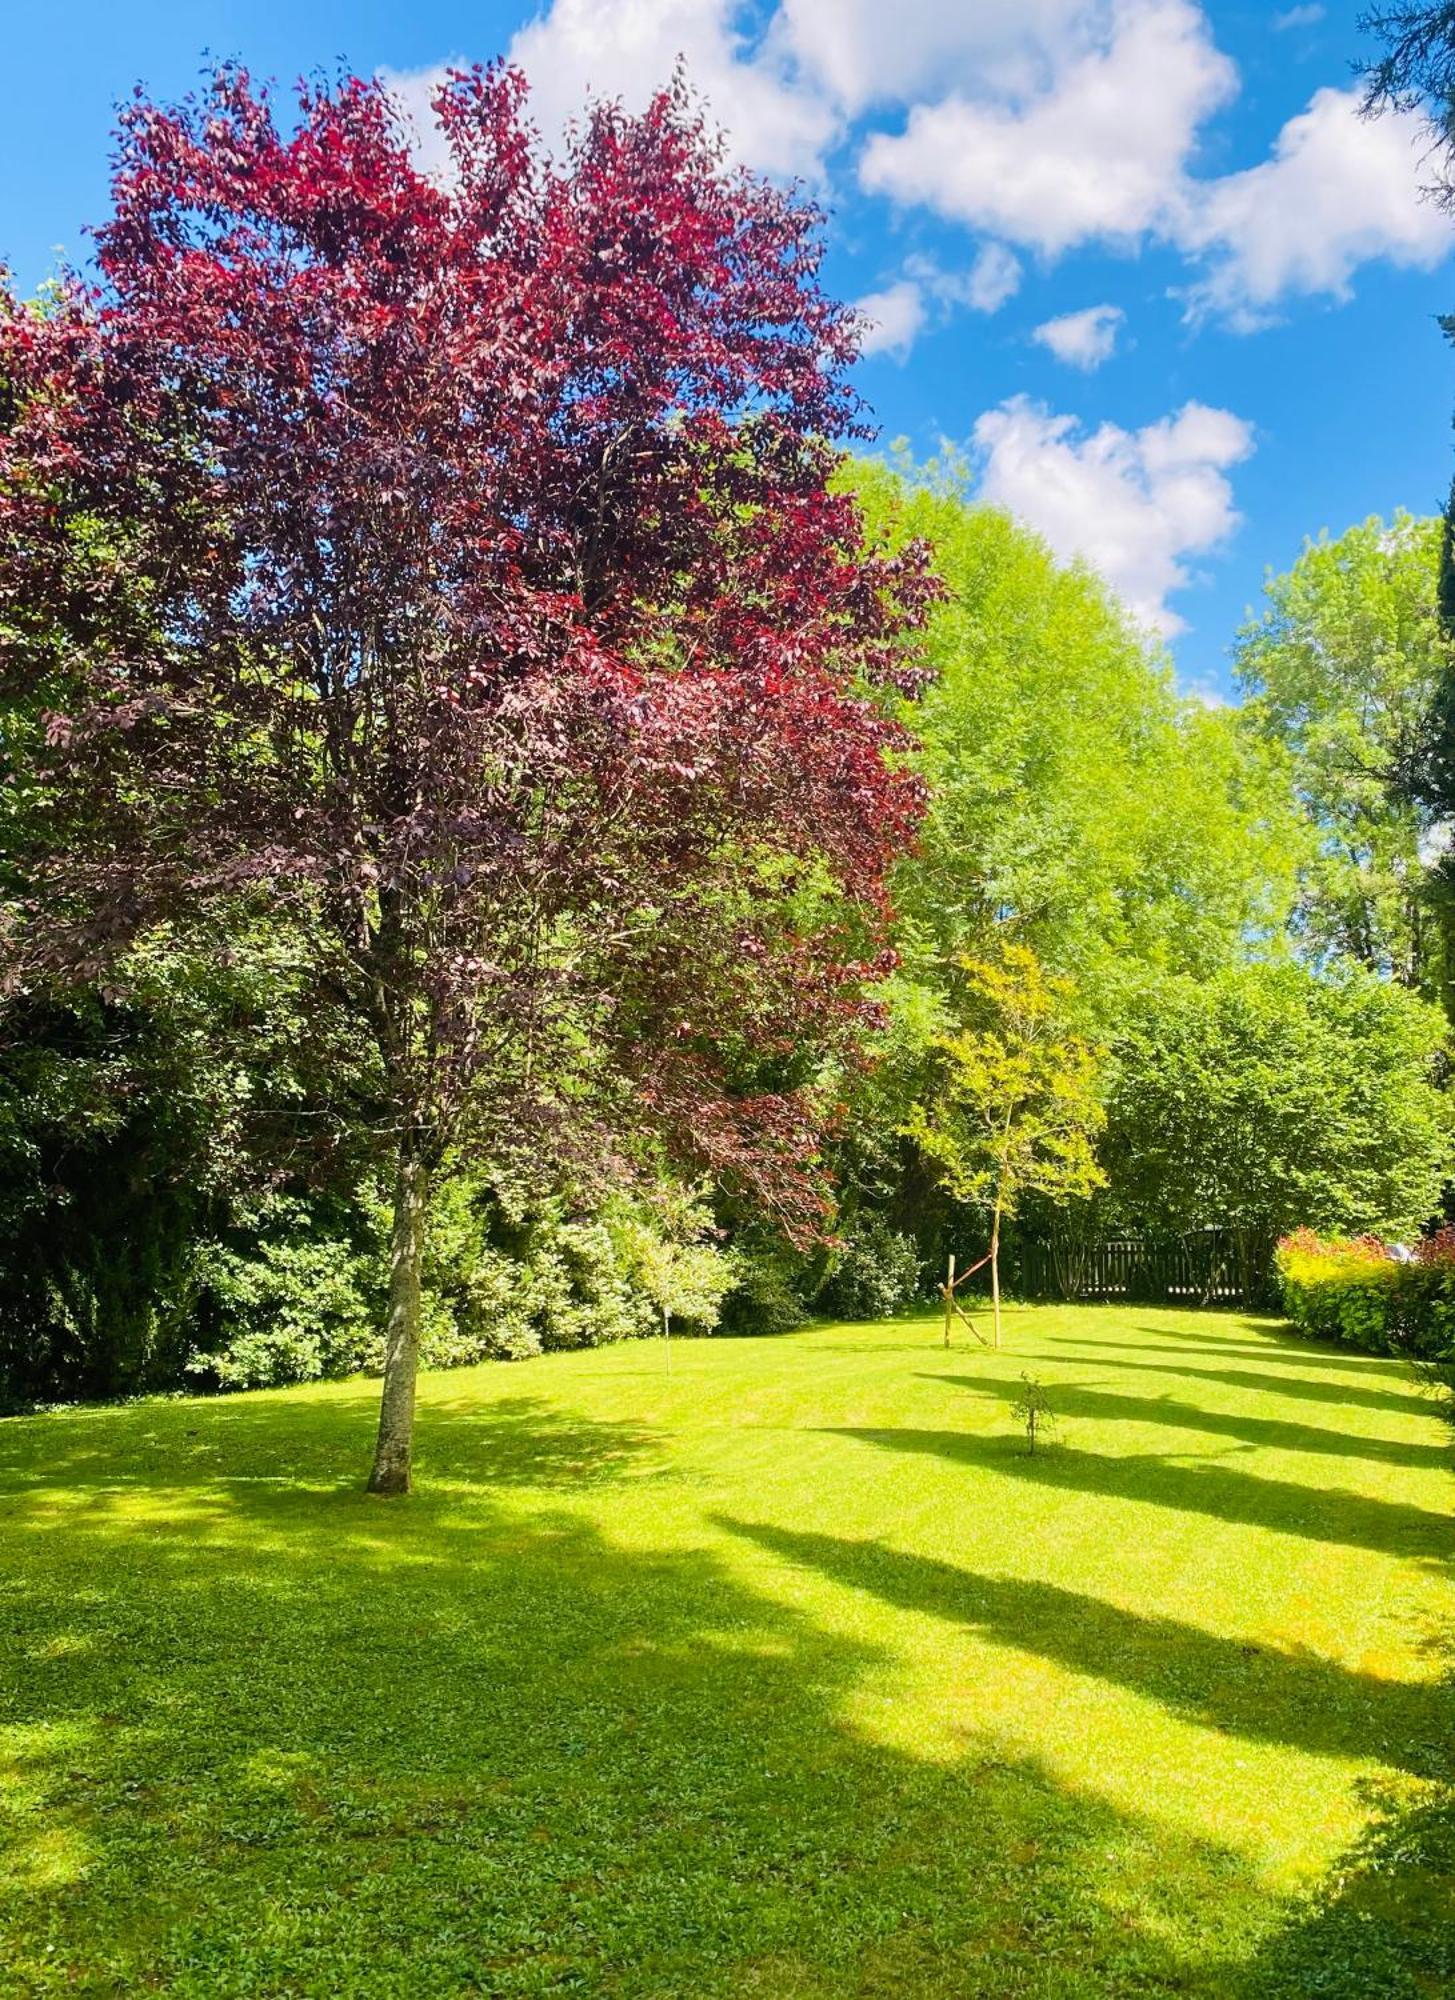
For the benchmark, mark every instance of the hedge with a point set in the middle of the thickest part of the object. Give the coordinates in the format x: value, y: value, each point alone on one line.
x: 1354, y: 1290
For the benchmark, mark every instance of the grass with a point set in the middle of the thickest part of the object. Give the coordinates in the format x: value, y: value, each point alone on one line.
x: 791, y: 1675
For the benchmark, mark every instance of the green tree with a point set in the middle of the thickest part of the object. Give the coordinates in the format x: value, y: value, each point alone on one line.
x: 1078, y: 804
x: 1012, y: 1108
x: 672, y: 1258
x: 1340, y: 673
x: 1275, y: 1096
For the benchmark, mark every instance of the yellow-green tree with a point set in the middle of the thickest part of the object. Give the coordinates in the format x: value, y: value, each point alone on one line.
x: 1012, y: 1107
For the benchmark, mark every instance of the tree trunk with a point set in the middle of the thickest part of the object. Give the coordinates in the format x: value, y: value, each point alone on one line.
x: 401, y: 1339
x: 995, y: 1270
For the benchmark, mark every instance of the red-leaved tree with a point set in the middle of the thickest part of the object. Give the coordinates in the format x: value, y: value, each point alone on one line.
x: 453, y: 560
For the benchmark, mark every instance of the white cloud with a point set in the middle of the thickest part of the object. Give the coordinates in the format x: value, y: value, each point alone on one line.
x: 864, y: 52
x: 1083, y: 339
x: 994, y: 277
x: 1102, y: 149
x: 1089, y: 154
x: 627, y: 49
x: 1297, y: 17
x: 1133, y: 504
x: 1336, y: 191
x: 1043, y: 124
x: 1206, y: 693
x: 900, y: 312
x: 893, y: 318
x: 774, y: 118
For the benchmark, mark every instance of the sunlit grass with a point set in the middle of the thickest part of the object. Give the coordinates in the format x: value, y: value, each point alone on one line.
x: 790, y: 1674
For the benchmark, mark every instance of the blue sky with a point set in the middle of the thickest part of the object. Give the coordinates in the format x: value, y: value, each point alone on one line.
x: 1138, y: 258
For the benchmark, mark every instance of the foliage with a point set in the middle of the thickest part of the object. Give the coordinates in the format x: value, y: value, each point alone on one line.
x: 873, y: 1271
x: 505, y: 1277
x: 103, y: 1145
x: 1339, y: 1288
x: 1416, y: 71
x: 1077, y: 805
x: 452, y: 556
x: 794, y: 1676
x: 292, y: 1308
x: 769, y: 1290
x: 137, y: 1128
x: 1271, y: 1097
x: 669, y: 1250
x: 1012, y: 1107
x: 1077, y: 808
x: 1034, y: 1411
x: 1340, y: 673
x: 1354, y: 1291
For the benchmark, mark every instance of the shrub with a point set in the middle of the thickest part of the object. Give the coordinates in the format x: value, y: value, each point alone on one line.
x: 292, y: 1300
x: 1353, y: 1291
x: 506, y: 1277
x: 765, y: 1298
x: 874, y: 1273
x: 288, y: 1309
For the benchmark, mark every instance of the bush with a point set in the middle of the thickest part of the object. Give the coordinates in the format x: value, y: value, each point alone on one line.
x: 764, y: 1299
x: 874, y: 1273
x: 1353, y: 1291
x: 289, y: 1310
x: 506, y: 1281
x: 293, y: 1287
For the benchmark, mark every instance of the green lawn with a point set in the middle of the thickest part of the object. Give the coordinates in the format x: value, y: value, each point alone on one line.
x: 791, y: 1675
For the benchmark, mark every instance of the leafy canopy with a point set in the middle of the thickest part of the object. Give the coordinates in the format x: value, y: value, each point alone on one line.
x: 1077, y: 804
x: 1012, y: 1107
x: 1274, y: 1096
x: 1340, y: 674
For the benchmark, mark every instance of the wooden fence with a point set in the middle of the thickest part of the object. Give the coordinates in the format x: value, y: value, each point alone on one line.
x: 1206, y: 1267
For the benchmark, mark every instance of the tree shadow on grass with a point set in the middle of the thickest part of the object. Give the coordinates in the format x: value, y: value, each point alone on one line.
x: 1381, y: 1926
x: 1409, y: 1401
x: 306, y: 1743
x: 1285, y: 1353
x: 1257, y: 1692
x: 1080, y: 1399
x: 312, y: 1445
x: 1276, y: 1340
x: 1321, y: 1514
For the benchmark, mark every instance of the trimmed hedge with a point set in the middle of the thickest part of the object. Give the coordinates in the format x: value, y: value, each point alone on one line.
x: 1354, y: 1291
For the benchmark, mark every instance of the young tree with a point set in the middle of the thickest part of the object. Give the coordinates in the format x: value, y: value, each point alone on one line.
x: 452, y: 558
x: 676, y: 1264
x: 1012, y: 1109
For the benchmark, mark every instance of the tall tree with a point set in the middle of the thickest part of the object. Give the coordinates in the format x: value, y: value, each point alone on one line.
x: 453, y: 558
x: 1077, y: 804
x: 1416, y: 72
x: 1341, y: 671
x: 1272, y: 1097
